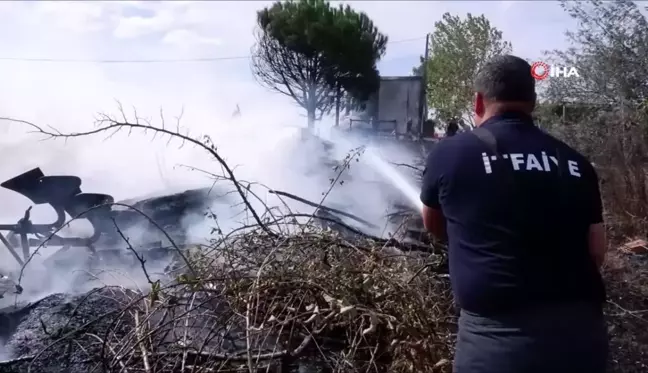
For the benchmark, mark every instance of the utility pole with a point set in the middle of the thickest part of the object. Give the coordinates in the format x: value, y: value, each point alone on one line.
x: 423, y: 109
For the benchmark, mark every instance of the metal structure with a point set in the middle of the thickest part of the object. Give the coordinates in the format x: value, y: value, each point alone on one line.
x: 374, y: 127
x: 399, y: 99
x: 63, y: 194
x: 396, y: 109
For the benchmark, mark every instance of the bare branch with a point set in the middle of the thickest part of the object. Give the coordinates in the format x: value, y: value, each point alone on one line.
x: 107, y: 123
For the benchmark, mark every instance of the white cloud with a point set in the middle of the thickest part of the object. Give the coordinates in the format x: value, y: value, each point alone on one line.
x: 136, y: 26
x: 505, y: 5
x: 81, y: 17
x: 188, y: 38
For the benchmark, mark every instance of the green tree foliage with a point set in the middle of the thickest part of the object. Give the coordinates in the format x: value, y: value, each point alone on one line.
x: 609, y: 48
x: 610, y: 51
x: 603, y: 112
x: 314, y: 53
x: 458, y: 49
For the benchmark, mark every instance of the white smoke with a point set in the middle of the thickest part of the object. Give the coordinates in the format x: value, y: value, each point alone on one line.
x: 272, y: 153
x: 257, y: 132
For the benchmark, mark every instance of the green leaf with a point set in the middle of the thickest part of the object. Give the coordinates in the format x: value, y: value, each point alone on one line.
x: 311, y: 51
x: 458, y: 49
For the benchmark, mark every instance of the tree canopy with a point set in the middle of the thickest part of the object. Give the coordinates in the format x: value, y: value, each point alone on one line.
x: 602, y: 113
x: 609, y: 48
x: 314, y: 52
x: 458, y: 49
x: 610, y: 51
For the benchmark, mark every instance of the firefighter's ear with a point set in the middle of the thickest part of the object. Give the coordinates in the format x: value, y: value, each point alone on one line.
x: 480, y: 107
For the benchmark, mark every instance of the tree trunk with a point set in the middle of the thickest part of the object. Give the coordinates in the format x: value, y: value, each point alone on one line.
x: 311, y: 117
x: 337, y: 107
x: 311, y: 107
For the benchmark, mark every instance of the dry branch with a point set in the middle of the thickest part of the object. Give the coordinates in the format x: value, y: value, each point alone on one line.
x: 106, y: 123
x: 261, y: 302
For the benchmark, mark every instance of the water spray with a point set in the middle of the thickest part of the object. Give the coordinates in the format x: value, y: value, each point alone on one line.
x: 391, y: 174
x: 387, y: 171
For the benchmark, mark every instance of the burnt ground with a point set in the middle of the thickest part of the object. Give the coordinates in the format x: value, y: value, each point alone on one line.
x: 63, y: 333
x: 31, y: 332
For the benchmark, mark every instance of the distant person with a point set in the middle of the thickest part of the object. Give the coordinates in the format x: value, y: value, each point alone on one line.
x: 452, y: 128
x: 237, y: 112
x: 428, y: 128
x: 523, y: 218
x: 462, y: 124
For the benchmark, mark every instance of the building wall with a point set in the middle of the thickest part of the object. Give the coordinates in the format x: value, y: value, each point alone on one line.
x: 399, y: 100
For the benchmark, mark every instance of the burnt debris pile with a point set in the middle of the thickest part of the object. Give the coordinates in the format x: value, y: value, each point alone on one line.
x: 253, y: 300
x: 64, y: 195
x: 312, y: 301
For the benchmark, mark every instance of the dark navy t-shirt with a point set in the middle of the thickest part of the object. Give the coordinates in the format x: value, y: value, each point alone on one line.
x: 517, y: 217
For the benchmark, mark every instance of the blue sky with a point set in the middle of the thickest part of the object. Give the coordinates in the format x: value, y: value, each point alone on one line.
x: 68, y: 95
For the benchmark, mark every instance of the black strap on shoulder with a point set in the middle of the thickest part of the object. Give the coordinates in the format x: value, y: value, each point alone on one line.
x: 487, y: 138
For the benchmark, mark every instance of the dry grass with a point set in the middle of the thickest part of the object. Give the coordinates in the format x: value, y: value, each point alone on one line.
x: 618, y: 146
x: 263, y: 303
x: 260, y: 303
x: 627, y: 310
x: 616, y: 143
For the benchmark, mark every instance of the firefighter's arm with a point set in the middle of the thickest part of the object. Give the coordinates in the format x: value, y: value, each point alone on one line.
x: 433, y: 218
x: 435, y: 222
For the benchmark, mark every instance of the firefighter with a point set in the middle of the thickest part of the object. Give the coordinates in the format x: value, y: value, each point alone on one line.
x: 522, y: 214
